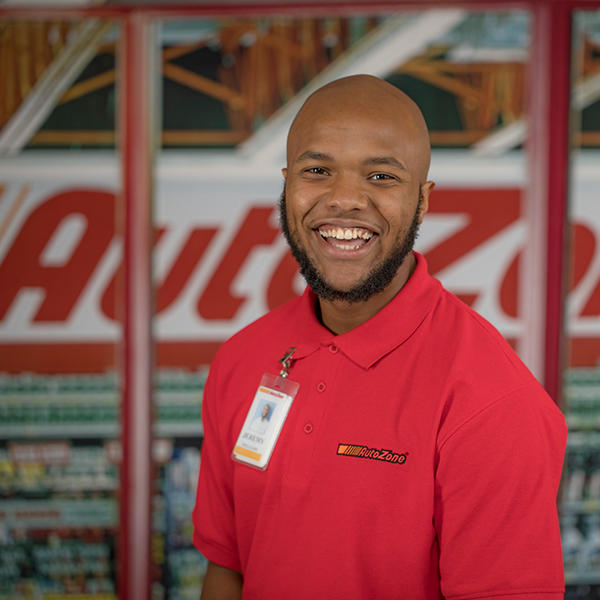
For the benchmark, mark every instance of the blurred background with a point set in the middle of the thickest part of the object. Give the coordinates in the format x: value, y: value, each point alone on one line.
x: 140, y: 155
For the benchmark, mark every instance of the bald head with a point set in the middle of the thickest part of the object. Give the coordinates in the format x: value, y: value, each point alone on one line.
x: 367, y: 97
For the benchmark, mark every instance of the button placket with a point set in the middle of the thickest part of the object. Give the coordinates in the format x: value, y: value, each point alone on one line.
x: 311, y: 413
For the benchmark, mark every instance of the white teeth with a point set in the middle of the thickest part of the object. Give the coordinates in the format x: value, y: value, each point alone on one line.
x: 346, y: 233
x: 346, y: 246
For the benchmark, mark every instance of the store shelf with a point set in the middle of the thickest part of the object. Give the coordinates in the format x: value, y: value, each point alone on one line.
x: 78, y: 407
x: 586, y: 577
x: 580, y: 507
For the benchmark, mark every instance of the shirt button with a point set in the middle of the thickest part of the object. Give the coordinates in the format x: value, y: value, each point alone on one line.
x: 321, y: 387
x: 308, y: 428
x: 333, y: 348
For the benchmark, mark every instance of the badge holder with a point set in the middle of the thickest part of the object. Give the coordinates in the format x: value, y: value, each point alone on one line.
x: 266, y: 416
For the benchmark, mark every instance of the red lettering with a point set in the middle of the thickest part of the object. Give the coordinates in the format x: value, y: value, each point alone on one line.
x: 109, y: 303
x: 217, y: 300
x: 584, y: 251
x: 187, y: 261
x: 22, y: 266
x: 584, y: 248
x: 489, y: 212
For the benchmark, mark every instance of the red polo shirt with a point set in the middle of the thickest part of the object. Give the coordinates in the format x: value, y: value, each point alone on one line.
x: 420, y: 459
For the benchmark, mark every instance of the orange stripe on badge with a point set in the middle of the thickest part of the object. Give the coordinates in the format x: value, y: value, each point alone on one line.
x: 268, y: 391
x: 247, y: 453
x: 349, y: 449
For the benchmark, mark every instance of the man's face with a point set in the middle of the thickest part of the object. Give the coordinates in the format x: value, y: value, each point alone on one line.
x: 351, y: 207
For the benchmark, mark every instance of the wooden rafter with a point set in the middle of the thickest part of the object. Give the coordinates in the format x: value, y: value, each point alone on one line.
x: 204, y: 85
x: 39, y: 101
x: 88, y: 86
x: 265, y: 64
x: 26, y: 51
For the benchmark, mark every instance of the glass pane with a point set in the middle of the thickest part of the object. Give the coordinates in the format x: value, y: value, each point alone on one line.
x: 59, y: 298
x: 231, y: 87
x: 580, y: 502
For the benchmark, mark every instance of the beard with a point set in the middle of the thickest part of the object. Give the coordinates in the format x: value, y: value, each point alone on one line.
x: 375, y: 281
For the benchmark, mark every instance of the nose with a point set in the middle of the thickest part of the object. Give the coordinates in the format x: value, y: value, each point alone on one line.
x: 346, y: 193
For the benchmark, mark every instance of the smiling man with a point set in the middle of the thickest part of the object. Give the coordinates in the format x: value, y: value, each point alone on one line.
x: 413, y: 456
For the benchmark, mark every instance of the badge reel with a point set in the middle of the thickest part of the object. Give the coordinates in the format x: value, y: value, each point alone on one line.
x: 266, y: 416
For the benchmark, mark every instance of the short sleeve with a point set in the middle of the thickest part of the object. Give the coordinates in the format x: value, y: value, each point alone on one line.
x: 213, y: 515
x: 495, y: 512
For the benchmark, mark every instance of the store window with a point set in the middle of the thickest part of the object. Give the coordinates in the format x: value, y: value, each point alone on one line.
x: 60, y: 335
x: 580, y: 501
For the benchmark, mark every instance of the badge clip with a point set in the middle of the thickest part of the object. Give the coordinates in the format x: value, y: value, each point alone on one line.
x: 286, y: 360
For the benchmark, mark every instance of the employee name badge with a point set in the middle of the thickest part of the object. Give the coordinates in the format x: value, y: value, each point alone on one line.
x: 266, y: 417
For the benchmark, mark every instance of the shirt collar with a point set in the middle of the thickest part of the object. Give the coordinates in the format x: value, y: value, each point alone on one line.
x: 383, y: 332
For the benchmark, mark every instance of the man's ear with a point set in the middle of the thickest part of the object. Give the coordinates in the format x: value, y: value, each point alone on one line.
x: 425, y: 191
x: 284, y: 172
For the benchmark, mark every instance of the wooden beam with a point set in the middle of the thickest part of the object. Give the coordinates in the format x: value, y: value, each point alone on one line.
x: 85, y: 137
x: 182, y: 50
x: 428, y: 72
x: 204, y: 85
x: 89, y: 85
x: 46, y: 92
x: 203, y: 137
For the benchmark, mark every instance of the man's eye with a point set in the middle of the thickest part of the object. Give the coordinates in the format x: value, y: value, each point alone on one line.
x: 381, y: 176
x: 316, y: 171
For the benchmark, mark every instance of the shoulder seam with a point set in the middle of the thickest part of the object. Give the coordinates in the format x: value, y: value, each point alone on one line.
x: 479, y: 412
x: 487, y: 327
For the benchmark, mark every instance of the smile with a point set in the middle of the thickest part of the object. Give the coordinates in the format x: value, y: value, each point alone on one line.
x: 345, y: 238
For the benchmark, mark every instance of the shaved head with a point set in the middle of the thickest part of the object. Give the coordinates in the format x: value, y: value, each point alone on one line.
x: 366, y: 96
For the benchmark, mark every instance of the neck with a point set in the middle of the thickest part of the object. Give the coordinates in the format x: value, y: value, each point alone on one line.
x: 340, y: 316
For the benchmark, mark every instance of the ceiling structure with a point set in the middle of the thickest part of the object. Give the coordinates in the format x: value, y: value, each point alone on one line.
x: 236, y: 82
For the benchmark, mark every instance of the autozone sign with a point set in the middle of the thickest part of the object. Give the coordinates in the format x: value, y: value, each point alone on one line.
x: 220, y: 262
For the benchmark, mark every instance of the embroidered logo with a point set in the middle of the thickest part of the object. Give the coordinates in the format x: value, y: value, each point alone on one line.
x: 360, y: 451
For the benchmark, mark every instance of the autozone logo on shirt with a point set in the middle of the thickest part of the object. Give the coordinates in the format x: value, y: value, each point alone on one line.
x: 218, y: 269
x: 360, y: 451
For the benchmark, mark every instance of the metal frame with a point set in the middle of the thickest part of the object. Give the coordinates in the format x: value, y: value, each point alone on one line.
x: 548, y: 150
x: 137, y: 147
x: 548, y: 146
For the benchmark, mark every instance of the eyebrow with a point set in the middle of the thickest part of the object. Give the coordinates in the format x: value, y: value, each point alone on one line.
x: 386, y: 160
x: 376, y: 160
x: 314, y: 155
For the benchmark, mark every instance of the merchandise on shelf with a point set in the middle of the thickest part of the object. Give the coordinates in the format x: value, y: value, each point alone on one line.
x: 580, y: 493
